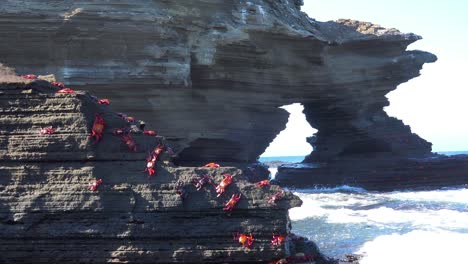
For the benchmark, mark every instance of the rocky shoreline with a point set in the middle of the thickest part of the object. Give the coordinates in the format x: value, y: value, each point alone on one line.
x: 209, y: 79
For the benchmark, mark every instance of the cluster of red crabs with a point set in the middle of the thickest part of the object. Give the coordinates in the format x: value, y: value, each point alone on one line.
x: 97, y: 131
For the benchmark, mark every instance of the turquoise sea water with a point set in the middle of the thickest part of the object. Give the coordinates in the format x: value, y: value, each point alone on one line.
x: 283, y: 158
x: 407, y: 227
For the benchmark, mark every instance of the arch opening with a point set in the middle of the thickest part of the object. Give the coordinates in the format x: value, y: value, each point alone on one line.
x: 290, y: 145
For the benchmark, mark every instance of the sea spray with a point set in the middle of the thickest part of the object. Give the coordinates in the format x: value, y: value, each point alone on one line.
x: 346, y: 220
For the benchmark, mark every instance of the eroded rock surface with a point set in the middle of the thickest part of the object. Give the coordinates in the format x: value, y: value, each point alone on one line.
x: 210, y: 75
x: 48, y: 214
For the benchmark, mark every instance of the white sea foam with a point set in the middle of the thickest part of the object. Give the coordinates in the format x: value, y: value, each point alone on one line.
x: 416, y: 247
x: 453, y: 196
x: 374, y: 209
x: 273, y: 172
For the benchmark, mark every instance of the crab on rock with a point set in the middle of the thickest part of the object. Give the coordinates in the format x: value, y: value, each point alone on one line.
x: 200, y: 182
x: 275, y: 197
x: 98, y: 128
x: 245, y: 240
x: 232, y: 202
x: 150, y: 133
x: 104, y: 101
x: 151, y: 165
x: 66, y: 91
x: 30, y: 76
x: 153, y: 158
x: 58, y: 84
x: 277, y: 240
x: 221, y: 187
x: 95, y: 185
x: 263, y: 183
x: 212, y: 165
x: 47, y: 131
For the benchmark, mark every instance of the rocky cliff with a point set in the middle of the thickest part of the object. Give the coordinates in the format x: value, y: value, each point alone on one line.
x: 49, y: 212
x: 210, y: 75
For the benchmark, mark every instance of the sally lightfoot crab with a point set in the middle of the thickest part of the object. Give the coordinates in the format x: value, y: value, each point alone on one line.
x: 245, y: 240
x: 232, y: 202
x: 98, y: 128
x: 221, y: 187
x: 200, y: 182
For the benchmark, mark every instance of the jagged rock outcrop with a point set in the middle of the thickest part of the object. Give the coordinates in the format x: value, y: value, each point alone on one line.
x: 49, y: 215
x: 210, y: 75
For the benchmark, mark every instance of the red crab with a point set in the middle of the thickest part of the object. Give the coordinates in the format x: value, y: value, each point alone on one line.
x: 58, y: 84
x: 212, y: 165
x: 130, y: 142
x: 245, y: 240
x: 275, y: 197
x: 263, y: 183
x: 200, y: 182
x: 158, y: 150
x: 47, y: 131
x: 151, y: 164
x: 150, y: 133
x: 98, y: 128
x: 66, y: 91
x: 221, y: 187
x: 104, y: 101
x: 153, y: 158
x: 232, y: 202
x: 30, y: 76
x: 277, y: 240
x: 95, y: 185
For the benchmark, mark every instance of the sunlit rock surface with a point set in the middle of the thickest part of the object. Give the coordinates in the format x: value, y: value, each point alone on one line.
x: 210, y: 75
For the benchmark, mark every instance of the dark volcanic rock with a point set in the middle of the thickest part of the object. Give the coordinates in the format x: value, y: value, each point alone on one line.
x: 49, y: 215
x: 210, y: 75
x: 378, y: 173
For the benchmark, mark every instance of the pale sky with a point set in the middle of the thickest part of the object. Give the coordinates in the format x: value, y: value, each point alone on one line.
x: 435, y: 104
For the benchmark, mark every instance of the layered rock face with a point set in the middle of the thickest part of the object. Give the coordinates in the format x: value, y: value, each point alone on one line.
x: 48, y: 214
x: 211, y: 75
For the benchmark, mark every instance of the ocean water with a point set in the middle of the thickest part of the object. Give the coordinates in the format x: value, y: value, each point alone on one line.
x: 407, y: 227
x: 294, y: 159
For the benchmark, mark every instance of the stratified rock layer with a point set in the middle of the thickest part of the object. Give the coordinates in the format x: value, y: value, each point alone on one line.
x: 210, y: 75
x: 49, y: 215
x: 378, y: 173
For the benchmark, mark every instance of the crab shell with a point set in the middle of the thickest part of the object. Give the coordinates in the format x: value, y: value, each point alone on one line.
x: 98, y: 128
x: 212, y: 165
x: 58, y: 84
x: 232, y: 202
x: 66, y: 91
x: 47, y: 131
x: 104, y: 101
x: 220, y: 189
x: 150, y: 133
x: 29, y: 76
x: 245, y: 240
x: 95, y: 185
x: 277, y: 240
x: 263, y: 183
